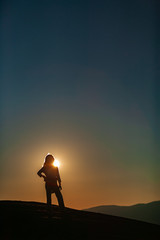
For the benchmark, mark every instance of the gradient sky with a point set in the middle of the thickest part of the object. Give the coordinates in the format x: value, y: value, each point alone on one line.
x: 79, y: 80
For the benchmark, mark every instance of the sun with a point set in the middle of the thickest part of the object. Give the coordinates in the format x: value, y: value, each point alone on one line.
x: 56, y: 163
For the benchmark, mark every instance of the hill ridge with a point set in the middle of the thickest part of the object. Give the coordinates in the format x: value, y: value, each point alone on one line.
x: 148, y: 212
x: 116, y: 205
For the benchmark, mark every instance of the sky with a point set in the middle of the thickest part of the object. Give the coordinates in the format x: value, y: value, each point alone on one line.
x: 79, y: 79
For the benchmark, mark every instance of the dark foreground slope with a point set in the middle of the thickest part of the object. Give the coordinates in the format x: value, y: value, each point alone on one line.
x: 30, y: 220
x: 148, y: 212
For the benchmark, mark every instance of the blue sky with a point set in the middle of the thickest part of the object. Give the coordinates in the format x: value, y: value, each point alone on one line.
x: 80, y: 76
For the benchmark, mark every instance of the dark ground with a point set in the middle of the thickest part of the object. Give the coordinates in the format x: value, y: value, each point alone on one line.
x: 30, y: 220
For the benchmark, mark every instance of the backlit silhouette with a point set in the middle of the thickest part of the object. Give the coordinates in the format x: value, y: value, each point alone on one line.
x: 52, y: 179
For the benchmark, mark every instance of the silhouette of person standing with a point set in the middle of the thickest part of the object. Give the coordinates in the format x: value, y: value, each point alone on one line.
x: 51, y: 176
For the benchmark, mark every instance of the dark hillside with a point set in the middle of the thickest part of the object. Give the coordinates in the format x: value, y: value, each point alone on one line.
x: 30, y: 220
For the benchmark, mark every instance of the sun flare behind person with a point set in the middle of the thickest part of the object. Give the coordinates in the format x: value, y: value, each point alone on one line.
x: 56, y: 163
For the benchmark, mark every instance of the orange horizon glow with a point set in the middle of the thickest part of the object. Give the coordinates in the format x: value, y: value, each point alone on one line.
x: 82, y: 186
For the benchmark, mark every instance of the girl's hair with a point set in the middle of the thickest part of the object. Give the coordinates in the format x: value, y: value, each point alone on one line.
x: 49, y: 159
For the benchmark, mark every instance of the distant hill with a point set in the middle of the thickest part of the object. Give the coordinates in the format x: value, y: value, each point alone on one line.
x: 149, y: 212
x: 30, y: 220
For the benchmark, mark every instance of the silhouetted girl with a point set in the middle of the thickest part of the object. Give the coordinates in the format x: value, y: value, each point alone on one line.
x: 51, y: 176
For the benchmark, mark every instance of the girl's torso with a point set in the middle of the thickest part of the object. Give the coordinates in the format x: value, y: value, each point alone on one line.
x: 51, y: 174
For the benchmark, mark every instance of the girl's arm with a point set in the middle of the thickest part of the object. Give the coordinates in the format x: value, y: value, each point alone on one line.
x: 40, y: 172
x: 58, y: 178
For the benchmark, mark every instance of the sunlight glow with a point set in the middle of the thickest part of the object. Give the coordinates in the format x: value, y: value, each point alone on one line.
x: 56, y: 163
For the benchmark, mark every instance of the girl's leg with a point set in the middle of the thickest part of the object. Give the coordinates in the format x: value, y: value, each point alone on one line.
x: 48, y: 195
x: 59, y: 198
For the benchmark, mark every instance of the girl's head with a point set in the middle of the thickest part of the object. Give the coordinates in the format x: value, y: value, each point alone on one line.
x: 49, y: 159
